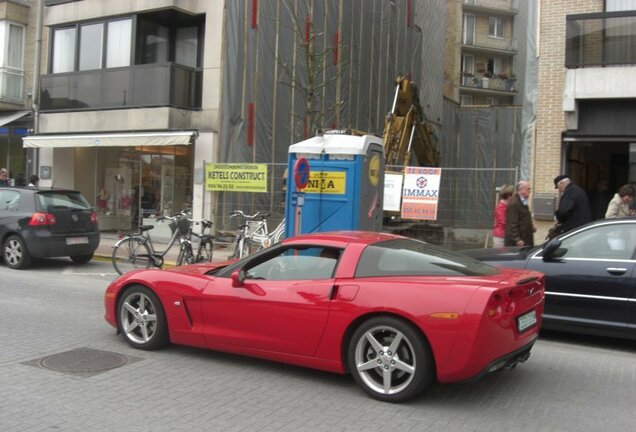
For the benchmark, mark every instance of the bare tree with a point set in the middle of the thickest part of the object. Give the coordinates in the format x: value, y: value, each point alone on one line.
x: 312, y: 80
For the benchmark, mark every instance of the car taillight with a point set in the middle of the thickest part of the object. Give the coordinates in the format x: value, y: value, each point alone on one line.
x: 42, y: 219
x: 501, y: 304
x: 94, y: 218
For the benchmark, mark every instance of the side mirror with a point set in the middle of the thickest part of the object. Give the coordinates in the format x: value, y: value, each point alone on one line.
x: 550, y: 249
x: 238, y: 277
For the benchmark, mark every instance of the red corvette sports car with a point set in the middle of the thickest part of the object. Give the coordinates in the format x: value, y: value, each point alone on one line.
x: 394, y: 312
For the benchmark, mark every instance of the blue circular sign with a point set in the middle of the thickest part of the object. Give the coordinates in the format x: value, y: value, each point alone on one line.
x: 301, y: 173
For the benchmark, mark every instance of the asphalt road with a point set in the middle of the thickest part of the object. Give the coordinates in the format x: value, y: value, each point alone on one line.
x: 570, y: 383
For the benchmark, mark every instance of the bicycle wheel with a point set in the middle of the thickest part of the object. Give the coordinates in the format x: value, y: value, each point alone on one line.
x: 185, y: 255
x: 205, y: 251
x: 130, y: 254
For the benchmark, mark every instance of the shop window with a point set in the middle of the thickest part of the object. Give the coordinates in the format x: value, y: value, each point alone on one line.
x: 137, y: 184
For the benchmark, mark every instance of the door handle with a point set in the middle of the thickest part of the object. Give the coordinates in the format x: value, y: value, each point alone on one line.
x: 618, y: 271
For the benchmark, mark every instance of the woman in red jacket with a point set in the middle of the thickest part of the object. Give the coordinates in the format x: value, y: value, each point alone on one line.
x: 499, y: 228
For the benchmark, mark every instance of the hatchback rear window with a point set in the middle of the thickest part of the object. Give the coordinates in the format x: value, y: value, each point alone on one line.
x: 52, y: 200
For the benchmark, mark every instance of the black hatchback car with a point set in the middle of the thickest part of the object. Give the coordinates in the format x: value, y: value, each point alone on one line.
x: 590, y: 277
x: 39, y: 223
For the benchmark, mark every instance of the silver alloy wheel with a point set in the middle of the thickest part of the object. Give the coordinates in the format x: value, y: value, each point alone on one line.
x: 138, y: 318
x: 385, y: 360
x: 13, y: 252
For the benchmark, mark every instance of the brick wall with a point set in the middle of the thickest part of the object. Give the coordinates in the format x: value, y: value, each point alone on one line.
x: 550, y: 118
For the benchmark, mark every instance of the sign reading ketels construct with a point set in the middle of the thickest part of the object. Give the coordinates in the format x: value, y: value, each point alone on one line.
x: 420, y: 193
x: 236, y: 177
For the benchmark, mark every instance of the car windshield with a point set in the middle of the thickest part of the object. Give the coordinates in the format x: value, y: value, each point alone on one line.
x: 51, y: 200
x: 407, y: 257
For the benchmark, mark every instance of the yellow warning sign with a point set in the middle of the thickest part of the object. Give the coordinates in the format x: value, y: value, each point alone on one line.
x: 327, y: 182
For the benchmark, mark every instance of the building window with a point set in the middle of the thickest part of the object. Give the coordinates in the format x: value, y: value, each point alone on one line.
x: 187, y: 46
x: 492, y: 101
x: 119, y: 43
x: 493, y: 66
x: 91, y: 46
x: 64, y: 50
x: 619, y: 5
x: 468, y: 29
x: 153, y: 42
x: 495, y: 27
x: 466, y: 100
x: 91, y: 42
x: 11, y: 60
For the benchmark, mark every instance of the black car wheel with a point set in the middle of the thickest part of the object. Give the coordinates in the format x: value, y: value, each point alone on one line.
x: 81, y: 259
x: 390, y: 360
x: 15, y: 253
x: 142, y: 321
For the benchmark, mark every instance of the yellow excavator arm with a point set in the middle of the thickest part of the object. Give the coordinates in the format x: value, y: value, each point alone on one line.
x: 405, y: 132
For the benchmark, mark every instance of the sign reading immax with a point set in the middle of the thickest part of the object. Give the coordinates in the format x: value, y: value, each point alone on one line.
x: 236, y: 177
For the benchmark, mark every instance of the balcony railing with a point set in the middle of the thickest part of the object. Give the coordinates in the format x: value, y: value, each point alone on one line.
x: 601, y: 39
x: 488, y: 83
x: 484, y: 40
x: 511, y: 6
x: 165, y: 84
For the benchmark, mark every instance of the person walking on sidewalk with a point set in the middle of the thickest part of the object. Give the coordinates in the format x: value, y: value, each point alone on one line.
x: 574, y: 207
x: 619, y: 205
x: 499, y: 228
x: 519, y: 226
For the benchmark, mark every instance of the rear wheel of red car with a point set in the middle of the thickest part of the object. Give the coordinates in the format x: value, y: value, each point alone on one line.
x: 390, y: 360
x: 15, y: 253
x: 81, y: 259
x: 141, y: 318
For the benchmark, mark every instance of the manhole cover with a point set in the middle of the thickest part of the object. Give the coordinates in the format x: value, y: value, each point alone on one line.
x: 83, y: 361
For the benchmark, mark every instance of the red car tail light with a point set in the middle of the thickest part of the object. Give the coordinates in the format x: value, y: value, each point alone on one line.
x: 501, y: 304
x: 94, y: 218
x: 42, y: 219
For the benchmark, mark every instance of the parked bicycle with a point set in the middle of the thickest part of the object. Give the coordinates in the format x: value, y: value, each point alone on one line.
x: 138, y: 251
x: 205, y: 245
x: 254, y: 235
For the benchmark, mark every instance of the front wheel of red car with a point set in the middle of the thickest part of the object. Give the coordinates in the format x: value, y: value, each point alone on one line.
x: 15, y: 253
x: 142, y: 320
x: 390, y: 360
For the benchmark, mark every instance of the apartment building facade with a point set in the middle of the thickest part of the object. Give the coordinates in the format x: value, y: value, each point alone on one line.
x: 18, y: 24
x: 491, y: 41
x: 586, y: 94
x: 124, y: 114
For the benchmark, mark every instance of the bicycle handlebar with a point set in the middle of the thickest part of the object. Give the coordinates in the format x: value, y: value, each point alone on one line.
x: 257, y: 215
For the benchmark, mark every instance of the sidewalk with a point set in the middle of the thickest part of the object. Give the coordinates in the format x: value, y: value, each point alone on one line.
x: 108, y: 241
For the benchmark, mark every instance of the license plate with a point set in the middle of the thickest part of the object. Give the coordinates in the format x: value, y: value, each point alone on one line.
x: 526, y: 321
x: 76, y: 240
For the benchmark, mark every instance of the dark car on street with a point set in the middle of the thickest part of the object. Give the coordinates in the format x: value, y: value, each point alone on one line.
x: 590, y: 277
x: 39, y: 223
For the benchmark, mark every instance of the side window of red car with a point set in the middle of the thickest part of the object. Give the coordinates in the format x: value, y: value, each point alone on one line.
x: 297, y: 263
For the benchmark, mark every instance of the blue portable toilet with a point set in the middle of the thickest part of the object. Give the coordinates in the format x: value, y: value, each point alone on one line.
x: 346, y: 183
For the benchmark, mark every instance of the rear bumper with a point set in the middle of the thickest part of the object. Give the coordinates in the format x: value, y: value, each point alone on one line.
x: 509, y: 361
x: 43, y: 244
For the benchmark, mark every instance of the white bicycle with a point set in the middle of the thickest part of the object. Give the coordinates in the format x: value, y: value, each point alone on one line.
x: 254, y: 234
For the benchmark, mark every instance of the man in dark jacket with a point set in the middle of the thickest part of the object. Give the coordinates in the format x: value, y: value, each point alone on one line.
x: 574, y: 207
x: 519, y: 225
